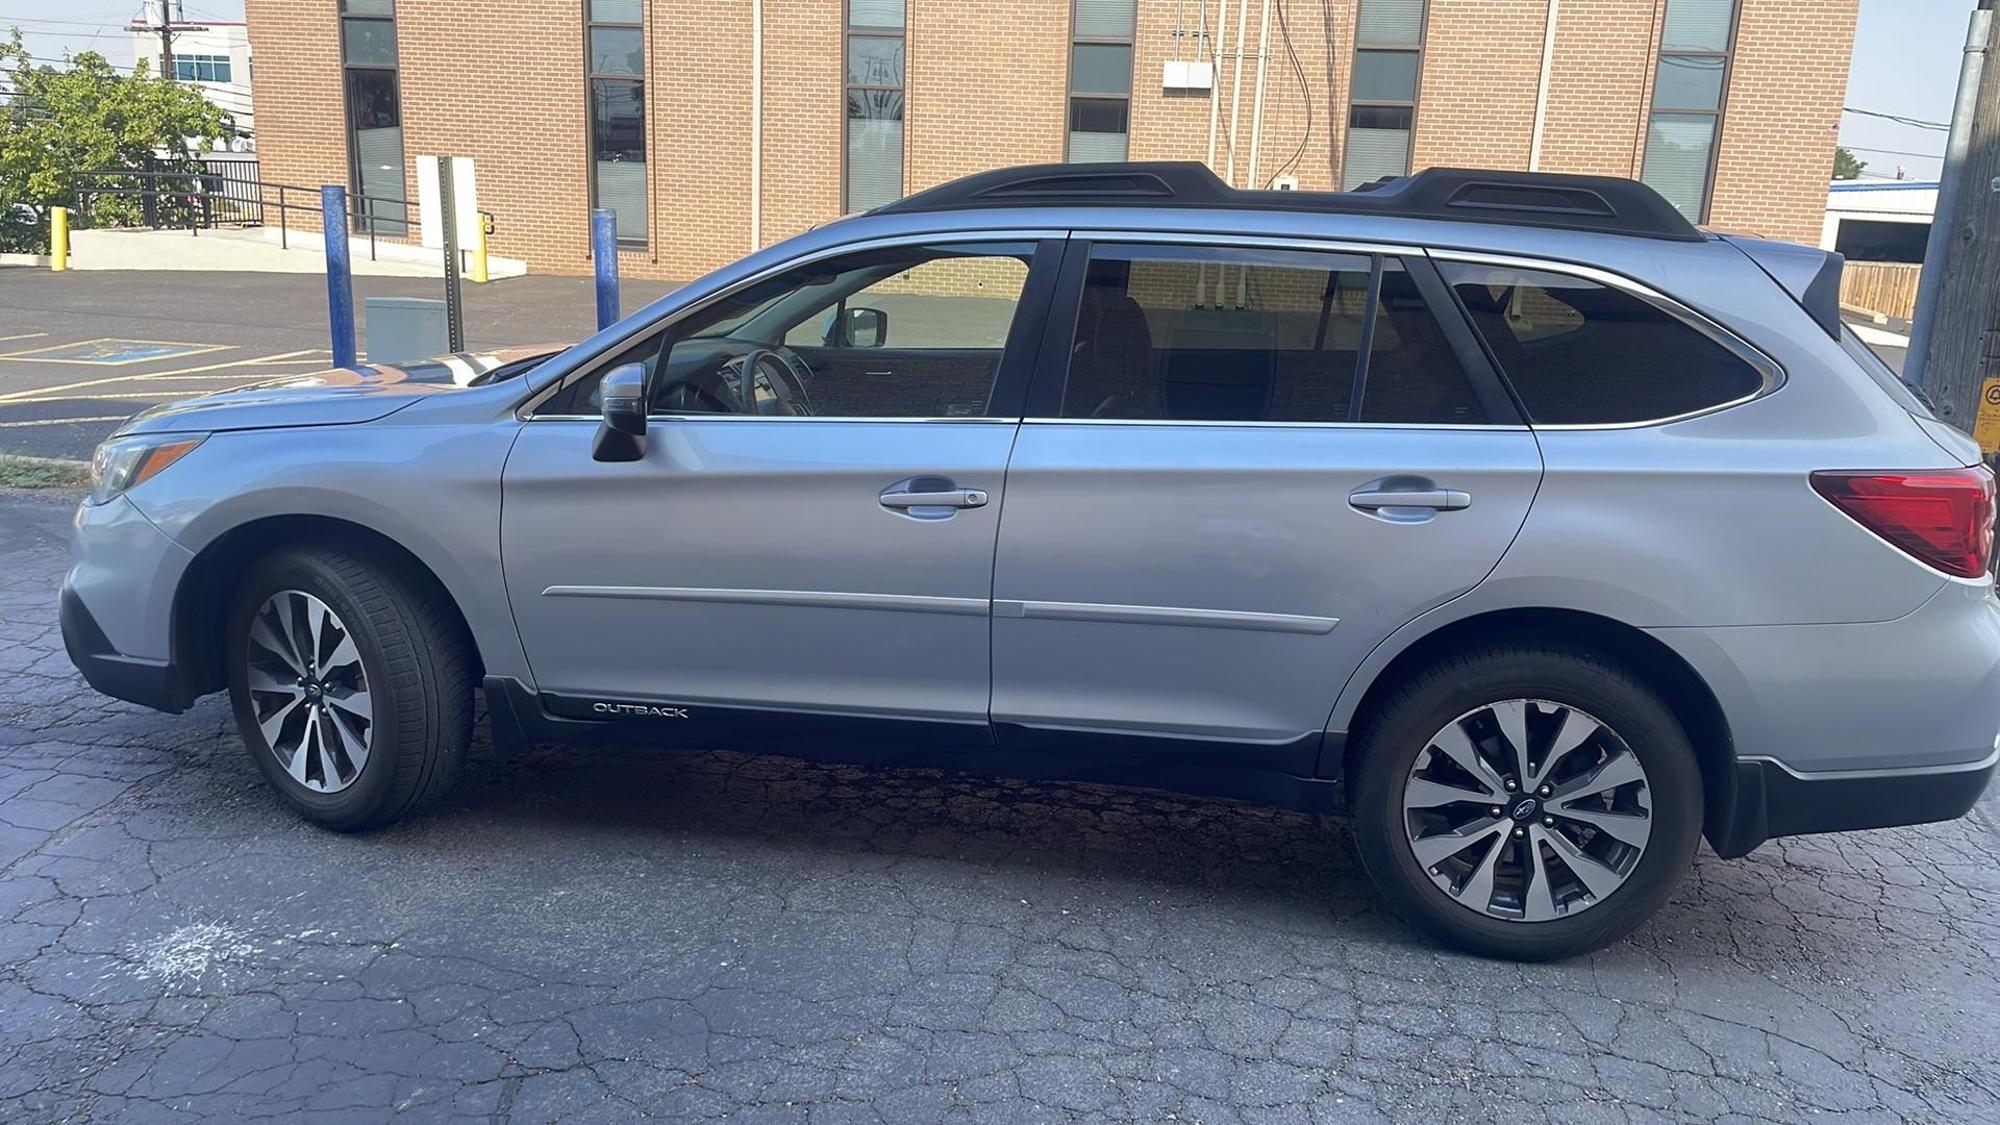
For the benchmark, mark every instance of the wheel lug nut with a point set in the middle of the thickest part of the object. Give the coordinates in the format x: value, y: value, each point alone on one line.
x: 1520, y: 832
x: 1547, y: 789
x: 1494, y: 811
x: 1548, y: 822
x: 1510, y: 785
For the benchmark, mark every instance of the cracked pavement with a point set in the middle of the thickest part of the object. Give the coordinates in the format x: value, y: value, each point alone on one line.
x: 599, y: 935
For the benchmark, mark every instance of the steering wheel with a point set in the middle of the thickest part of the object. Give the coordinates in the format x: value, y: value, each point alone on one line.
x: 782, y: 371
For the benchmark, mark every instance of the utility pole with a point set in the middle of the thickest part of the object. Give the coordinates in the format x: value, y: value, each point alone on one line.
x: 1958, y: 327
x: 166, y: 29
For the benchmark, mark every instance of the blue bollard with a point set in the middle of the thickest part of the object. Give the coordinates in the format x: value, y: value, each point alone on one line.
x: 339, y: 274
x: 604, y: 251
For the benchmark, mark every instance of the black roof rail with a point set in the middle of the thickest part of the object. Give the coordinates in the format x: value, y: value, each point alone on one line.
x: 1602, y: 204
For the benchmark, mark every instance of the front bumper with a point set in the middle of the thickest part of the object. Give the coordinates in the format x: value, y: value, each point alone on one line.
x: 1772, y: 801
x: 117, y: 605
x: 149, y: 683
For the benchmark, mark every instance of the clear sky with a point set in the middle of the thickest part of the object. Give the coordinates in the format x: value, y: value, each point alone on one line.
x: 1906, y: 57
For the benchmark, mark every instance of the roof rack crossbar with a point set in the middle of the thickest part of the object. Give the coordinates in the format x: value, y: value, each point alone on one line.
x: 1600, y: 204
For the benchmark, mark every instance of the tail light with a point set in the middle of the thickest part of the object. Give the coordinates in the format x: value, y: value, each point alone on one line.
x: 1940, y: 517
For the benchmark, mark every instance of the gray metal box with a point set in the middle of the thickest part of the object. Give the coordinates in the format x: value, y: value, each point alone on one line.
x: 404, y: 328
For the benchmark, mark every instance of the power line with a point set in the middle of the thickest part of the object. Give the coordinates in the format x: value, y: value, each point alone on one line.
x: 1913, y: 122
x: 1895, y: 152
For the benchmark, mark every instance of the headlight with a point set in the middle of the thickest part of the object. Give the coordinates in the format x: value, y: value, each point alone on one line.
x: 128, y: 462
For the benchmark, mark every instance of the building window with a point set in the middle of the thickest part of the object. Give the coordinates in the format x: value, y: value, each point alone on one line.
x: 615, y: 42
x: 1382, y: 91
x: 1687, y: 102
x: 374, y: 116
x: 201, y: 68
x: 874, y: 104
x: 1100, y: 80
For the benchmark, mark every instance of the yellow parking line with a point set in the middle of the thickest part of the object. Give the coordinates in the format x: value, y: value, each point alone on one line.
x: 65, y: 421
x: 43, y: 392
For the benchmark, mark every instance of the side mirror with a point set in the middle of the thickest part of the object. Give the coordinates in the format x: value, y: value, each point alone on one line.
x: 865, y: 327
x: 621, y: 436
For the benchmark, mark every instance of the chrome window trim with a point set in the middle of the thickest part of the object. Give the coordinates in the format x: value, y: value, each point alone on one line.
x: 1215, y: 423
x: 788, y: 418
x: 525, y: 411
x: 1771, y: 370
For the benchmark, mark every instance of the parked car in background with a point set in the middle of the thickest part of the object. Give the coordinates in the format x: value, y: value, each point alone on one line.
x: 1533, y: 528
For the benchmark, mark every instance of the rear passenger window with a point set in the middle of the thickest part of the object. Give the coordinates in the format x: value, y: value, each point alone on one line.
x: 1580, y: 353
x: 1181, y: 333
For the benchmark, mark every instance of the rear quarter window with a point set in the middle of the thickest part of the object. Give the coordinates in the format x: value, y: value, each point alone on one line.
x: 1581, y: 353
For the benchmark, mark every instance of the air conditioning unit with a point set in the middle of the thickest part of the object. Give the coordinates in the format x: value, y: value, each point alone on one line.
x: 1188, y: 74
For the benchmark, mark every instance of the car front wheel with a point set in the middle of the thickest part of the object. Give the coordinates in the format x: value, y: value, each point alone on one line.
x: 351, y: 683
x: 1526, y: 802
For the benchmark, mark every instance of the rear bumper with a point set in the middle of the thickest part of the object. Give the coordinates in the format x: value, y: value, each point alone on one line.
x: 149, y: 683
x: 1773, y: 800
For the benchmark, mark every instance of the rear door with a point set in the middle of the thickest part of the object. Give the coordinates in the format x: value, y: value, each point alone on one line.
x: 1241, y: 468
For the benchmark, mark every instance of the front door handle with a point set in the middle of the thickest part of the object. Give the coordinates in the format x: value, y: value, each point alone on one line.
x: 1439, y: 499
x: 949, y: 498
x: 930, y: 498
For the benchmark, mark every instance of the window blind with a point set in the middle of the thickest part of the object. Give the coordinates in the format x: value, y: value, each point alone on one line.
x: 1678, y: 146
x: 621, y: 189
x: 1392, y: 23
x: 1096, y: 148
x: 1373, y: 154
x: 1697, y: 25
x: 875, y: 13
x: 1104, y: 19
x: 874, y: 162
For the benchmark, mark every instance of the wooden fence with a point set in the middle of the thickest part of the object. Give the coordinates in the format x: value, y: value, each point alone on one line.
x: 1889, y: 288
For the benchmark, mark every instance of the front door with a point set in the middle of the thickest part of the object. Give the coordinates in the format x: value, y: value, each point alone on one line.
x: 1258, y: 464
x: 811, y: 528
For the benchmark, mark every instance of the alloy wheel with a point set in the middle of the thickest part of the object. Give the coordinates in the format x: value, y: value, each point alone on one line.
x: 1527, y: 810
x: 308, y: 691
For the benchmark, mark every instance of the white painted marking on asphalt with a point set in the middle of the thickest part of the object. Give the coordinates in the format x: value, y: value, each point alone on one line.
x: 64, y: 421
x: 23, y: 336
x: 181, y: 350
x: 62, y: 391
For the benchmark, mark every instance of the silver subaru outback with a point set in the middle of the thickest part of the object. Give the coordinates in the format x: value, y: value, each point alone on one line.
x: 1534, y: 529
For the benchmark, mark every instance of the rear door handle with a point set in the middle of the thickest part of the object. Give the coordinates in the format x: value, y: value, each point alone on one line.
x: 1439, y: 499
x: 949, y: 498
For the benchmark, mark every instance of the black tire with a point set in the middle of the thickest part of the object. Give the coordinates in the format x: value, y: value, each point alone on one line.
x: 1421, y: 706
x: 419, y: 667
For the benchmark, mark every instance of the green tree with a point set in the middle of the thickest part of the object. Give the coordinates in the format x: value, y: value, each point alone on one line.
x: 56, y: 123
x: 1845, y: 166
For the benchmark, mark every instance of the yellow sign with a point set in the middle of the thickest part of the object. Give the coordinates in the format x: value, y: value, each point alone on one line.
x: 1986, y: 424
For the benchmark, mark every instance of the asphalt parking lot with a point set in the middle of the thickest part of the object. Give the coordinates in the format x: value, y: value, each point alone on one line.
x: 595, y: 935
x: 82, y: 351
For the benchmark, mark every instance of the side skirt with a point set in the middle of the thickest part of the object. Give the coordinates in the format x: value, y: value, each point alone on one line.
x: 1258, y: 773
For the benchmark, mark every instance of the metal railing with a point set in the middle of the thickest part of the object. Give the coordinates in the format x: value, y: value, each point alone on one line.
x: 194, y: 201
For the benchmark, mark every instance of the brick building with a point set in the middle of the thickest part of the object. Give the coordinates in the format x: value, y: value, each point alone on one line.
x: 714, y: 126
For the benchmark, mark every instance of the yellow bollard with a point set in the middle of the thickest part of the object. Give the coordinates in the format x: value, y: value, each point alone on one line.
x: 58, y: 238
x: 479, y: 249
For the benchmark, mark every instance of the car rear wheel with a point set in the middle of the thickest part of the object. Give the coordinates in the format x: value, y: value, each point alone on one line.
x: 1526, y: 802
x: 351, y: 683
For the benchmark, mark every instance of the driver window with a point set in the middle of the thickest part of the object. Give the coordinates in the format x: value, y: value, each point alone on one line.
x: 905, y: 332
